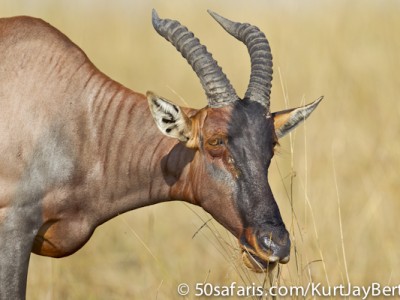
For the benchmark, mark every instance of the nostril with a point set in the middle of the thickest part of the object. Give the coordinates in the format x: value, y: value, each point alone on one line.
x: 268, y: 244
x: 281, y: 252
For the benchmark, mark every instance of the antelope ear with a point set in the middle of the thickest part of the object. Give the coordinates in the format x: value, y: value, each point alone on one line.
x: 286, y: 120
x: 170, y: 118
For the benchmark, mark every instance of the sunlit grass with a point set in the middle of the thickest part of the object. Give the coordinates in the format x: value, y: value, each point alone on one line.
x: 336, y: 179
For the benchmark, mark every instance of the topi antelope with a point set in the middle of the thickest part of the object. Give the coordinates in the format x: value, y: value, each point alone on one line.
x: 74, y: 153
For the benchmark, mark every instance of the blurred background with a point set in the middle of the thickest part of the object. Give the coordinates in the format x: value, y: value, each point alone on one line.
x: 336, y: 179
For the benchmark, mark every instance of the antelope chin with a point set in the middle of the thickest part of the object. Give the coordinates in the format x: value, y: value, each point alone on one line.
x: 256, y: 264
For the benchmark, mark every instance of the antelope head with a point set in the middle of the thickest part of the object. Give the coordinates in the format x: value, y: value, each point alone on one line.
x: 232, y: 140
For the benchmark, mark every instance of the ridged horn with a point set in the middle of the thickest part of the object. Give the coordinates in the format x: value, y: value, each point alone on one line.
x: 216, y: 85
x: 259, y: 88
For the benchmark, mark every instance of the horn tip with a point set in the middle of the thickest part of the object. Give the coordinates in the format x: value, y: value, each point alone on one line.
x: 227, y: 24
x: 213, y: 14
x: 154, y: 17
x: 216, y: 16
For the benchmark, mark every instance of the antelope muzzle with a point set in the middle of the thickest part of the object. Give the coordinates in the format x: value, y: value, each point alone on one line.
x: 263, y: 250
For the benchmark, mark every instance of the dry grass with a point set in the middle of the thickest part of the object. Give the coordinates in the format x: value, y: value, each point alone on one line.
x: 336, y: 179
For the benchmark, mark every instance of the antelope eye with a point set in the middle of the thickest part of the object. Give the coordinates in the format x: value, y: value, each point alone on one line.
x: 216, y: 141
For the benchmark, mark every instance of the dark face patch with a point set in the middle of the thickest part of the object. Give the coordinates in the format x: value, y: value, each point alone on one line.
x: 238, y: 146
x: 251, y: 145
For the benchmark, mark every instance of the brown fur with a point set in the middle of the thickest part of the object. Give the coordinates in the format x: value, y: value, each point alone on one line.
x: 80, y: 149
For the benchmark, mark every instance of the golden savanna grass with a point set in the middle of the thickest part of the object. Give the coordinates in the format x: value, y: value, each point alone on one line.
x: 336, y: 179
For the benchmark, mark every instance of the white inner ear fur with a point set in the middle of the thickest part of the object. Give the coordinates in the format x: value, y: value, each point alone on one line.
x: 287, y: 120
x: 169, y: 118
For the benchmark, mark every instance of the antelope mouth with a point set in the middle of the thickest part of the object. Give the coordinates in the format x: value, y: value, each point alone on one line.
x: 257, y: 264
x: 260, y: 261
